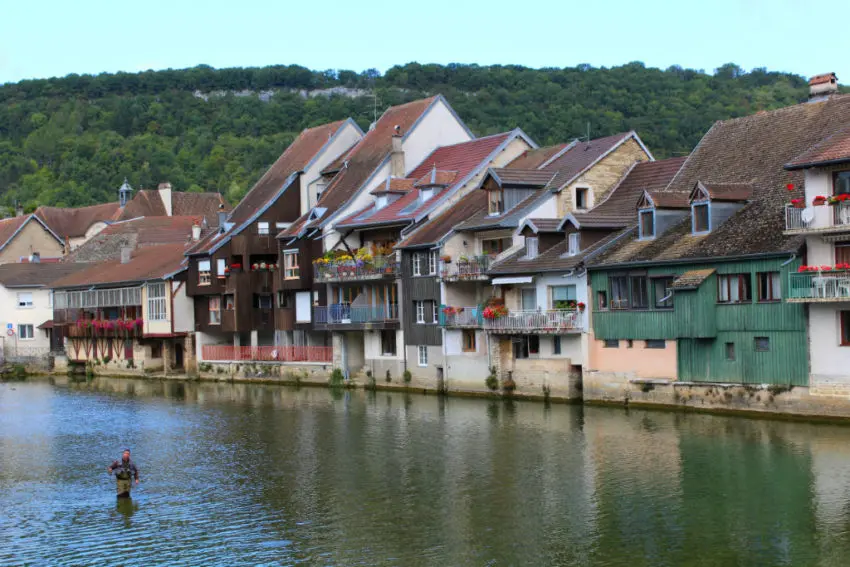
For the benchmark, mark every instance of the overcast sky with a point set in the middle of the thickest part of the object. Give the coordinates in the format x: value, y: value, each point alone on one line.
x: 56, y: 37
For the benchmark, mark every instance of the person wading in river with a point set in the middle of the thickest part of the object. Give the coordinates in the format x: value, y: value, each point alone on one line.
x: 125, y: 470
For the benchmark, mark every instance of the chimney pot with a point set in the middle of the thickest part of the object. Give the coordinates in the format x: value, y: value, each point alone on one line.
x: 222, y: 218
x: 196, y: 232
x: 126, y: 254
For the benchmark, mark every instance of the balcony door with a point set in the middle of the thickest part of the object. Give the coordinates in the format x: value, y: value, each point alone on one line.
x: 529, y: 299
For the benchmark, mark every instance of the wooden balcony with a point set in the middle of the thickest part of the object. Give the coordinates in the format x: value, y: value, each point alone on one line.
x: 549, y: 321
x: 380, y: 267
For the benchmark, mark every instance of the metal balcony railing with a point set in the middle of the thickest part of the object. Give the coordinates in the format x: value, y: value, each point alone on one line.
x: 344, y: 313
x: 823, y: 217
x: 461, y: 317
x: 352, y: 270
x: 471, y: 269
x: 551, y: 320
x: 815, y: 286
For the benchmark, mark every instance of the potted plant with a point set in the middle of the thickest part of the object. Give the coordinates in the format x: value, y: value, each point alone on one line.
x: 581, y: 305
x: 798, y: 203
x: 446, y: 259
x: 236, y: 267
x: 255, y: 266
x: 819, y: 200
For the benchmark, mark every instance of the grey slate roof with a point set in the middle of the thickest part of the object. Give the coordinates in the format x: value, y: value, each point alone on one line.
x: 554, y: 259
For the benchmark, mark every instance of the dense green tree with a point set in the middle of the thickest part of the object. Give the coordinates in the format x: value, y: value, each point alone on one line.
x: 71, y: 141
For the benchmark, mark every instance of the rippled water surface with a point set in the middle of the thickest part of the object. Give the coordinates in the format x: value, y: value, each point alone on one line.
x: 262, y: 475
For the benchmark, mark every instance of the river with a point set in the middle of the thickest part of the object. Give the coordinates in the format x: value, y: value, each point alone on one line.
x: 241, y: 474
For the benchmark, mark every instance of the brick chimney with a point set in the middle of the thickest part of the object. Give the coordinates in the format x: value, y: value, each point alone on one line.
x: 822, y: 86
x: 397, y: 155
x: 164, y: 190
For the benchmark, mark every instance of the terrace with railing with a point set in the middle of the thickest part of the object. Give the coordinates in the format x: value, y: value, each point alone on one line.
x: 227, y: 353
x: 465, y: 269
x: 355, y: 268
x: 345, y: 314
x: 536, y: 321
x: 831, y: 217
x: 819, y: 285
x: 462, y: 317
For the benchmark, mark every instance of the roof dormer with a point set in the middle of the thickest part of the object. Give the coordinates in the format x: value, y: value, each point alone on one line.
x: 660, y: 210
x: 713, y: 203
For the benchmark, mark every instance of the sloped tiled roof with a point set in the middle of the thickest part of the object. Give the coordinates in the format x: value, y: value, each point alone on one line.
x: 834, y: 149
x: 436, y: 228
x: 296, y: 156
x: 136, y: 233
x: 482, y: 220
x: 364, y: 158
x: 275, y: 180
x: 554, y: 259
x: 9, y: 227
x: 459, y: 159
x: 36, y: 274
x: 152, y: 262
x: 691, y: 279
x: 395, y: 185
x: 752, y: 150
x: 206, y: 205
x: 622, y: 200
x: 581, y: 156
x: 522, y: 177
x: 533, y: 159
x: 544, y: 225
x: 145, y: 203
x: 74, y: 222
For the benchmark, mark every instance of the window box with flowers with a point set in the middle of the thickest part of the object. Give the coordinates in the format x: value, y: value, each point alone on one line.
x: 819, y: 201
x: 798, y: 203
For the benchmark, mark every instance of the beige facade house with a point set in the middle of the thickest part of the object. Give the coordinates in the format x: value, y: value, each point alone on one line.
x: 25, y: 237
x: 128, y: 313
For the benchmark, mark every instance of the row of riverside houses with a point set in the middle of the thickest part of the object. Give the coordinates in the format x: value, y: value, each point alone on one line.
x: 418, y: 253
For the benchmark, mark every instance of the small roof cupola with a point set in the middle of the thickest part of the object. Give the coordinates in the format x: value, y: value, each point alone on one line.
x: 822, y: 86
x: 125, y: 194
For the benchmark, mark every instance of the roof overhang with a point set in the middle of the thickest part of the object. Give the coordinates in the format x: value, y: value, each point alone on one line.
x: 513, y: 280
x: 811, y: 164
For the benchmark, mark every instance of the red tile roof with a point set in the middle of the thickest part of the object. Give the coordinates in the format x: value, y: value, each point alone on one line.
x: 454, y: 163
x: 533, y: 159
x: 148, y: 203
x: 395, y: 185
x: 669, y: 199
x: 364, y: 158
x: 824, y: 78
x: 73, y: 223
x: 436, y: 228
x: 831, y: 150
x: 34, y: 274
x: 728, y: 191
x: 149, y: 263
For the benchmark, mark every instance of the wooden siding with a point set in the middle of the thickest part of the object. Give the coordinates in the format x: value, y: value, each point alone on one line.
x: 703, y: 327
x: 419, y: 288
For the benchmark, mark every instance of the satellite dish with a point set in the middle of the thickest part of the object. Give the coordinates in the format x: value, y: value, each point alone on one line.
x: 808, y: 215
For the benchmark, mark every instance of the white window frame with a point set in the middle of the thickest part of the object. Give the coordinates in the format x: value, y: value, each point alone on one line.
x: 157, y: 307
x: 432, y: 262
x: 30, y: 327
x: 22, y: 302
x: 707, y: 206
x: 220, y: 266
x: 531, y: 247
x: 291, y: 270
x: 495, y: 205
x: 263, y: 228
x: 417, y: 263
x: 419, y: 307
x: 436, y: 309
x: 641, y: 235
x: 423, y: 355
x: 214, y: 320
x: 573, y: 243
x: 204, y: 272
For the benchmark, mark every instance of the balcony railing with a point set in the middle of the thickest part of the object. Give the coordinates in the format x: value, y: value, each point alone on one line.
x: 472, y: 269
x: 461, y: 317
x: 344, y: 314
x: 547, y: 321
x: 824, y: 218
x: 353, y: 270
x: 267, y: 353
x: 819, y: 286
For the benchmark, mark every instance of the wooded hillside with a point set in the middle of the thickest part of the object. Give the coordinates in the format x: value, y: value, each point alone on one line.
x: 71, y: 141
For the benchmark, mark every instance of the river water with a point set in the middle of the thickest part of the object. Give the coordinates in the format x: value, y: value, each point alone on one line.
x: 237, y: 474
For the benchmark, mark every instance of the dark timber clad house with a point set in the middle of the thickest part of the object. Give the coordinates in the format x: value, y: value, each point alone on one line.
x: 695, y: 291
x: 234, y: 272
